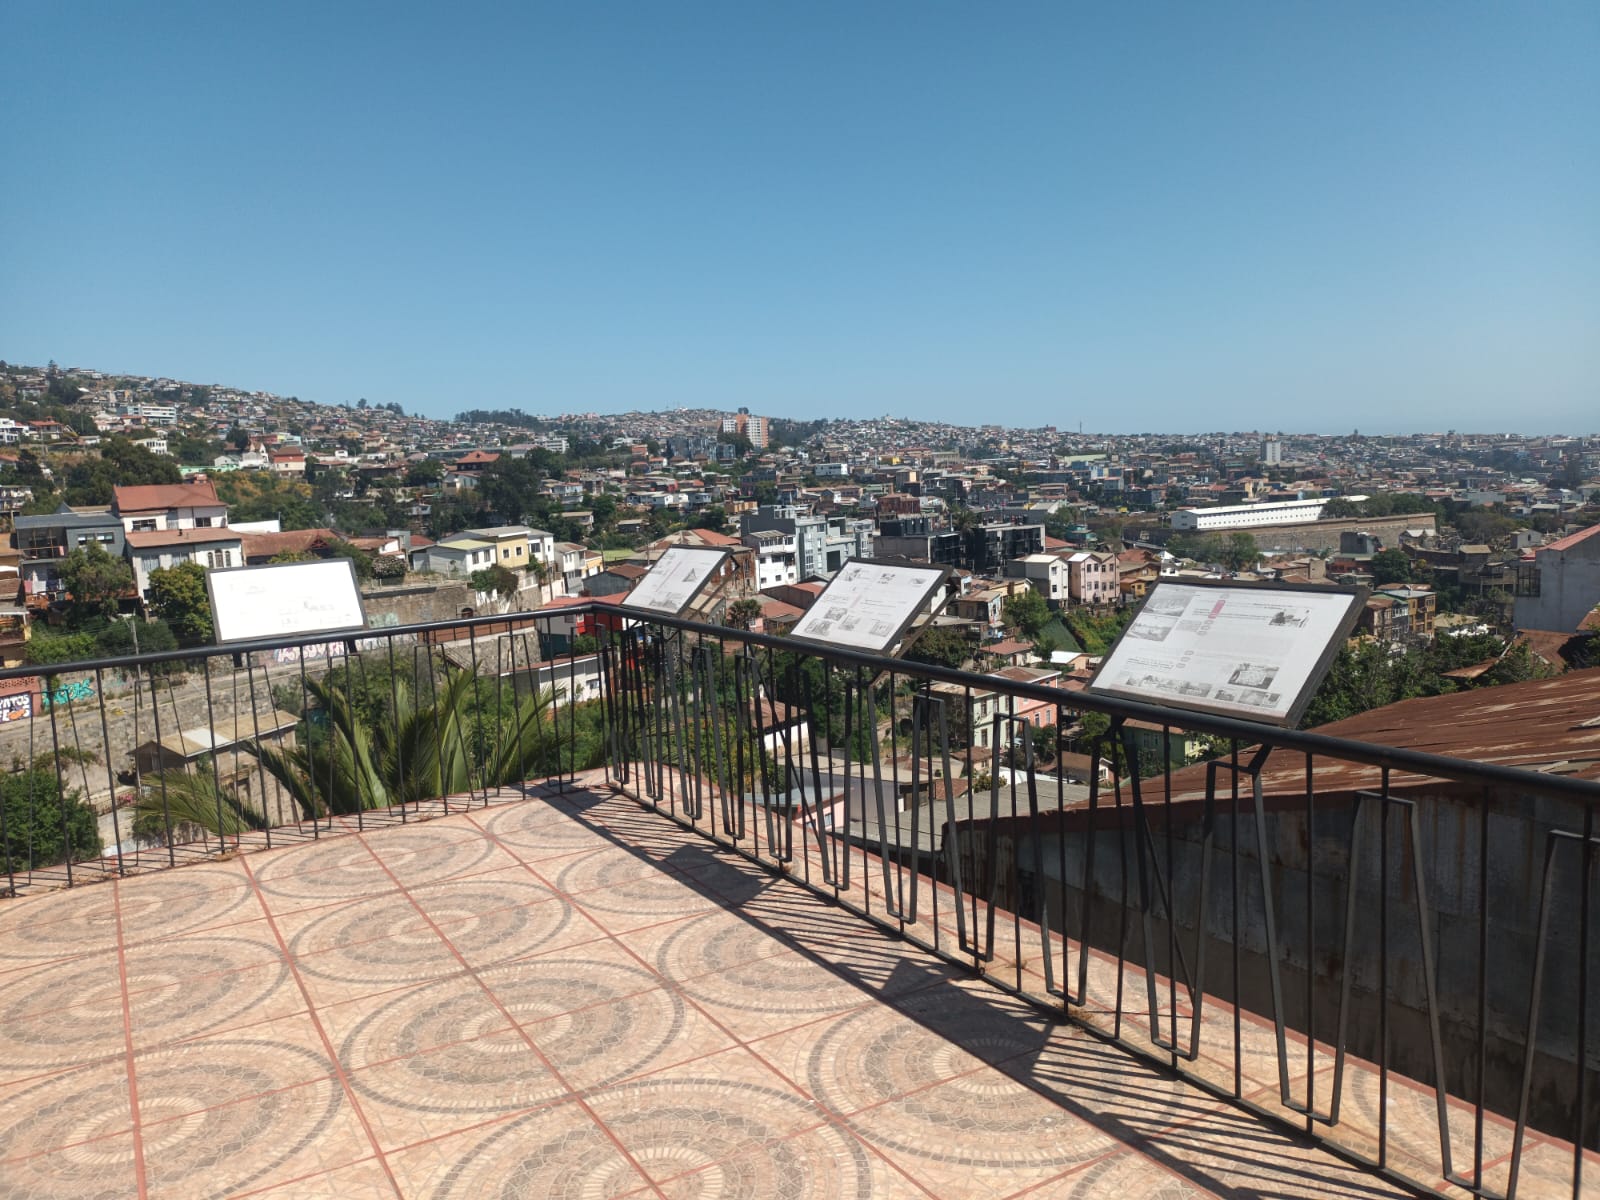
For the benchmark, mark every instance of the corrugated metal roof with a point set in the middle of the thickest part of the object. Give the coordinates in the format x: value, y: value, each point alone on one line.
x: 1547, y: 725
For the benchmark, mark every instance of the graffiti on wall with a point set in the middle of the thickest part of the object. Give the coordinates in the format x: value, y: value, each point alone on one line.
x: 67, y: 693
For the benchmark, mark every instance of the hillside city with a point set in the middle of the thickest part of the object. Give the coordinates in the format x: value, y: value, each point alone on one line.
x: 120, y: 491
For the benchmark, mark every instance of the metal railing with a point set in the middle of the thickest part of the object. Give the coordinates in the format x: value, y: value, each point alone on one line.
x: 1383, y: 950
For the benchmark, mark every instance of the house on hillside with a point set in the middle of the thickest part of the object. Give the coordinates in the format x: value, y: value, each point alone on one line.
x: 149, y: 507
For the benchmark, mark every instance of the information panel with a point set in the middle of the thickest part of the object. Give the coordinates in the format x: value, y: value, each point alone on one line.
x: 1256, y: 651
x: 870, y: 604
x: 674, y: 580
x: 285, y: 599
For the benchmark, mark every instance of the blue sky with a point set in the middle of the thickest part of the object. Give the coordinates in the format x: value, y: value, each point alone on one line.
x: 1158, y: 217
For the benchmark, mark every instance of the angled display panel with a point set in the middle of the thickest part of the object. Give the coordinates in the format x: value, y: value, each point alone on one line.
x: 1256, y: 651
x: 284, y: 599
x: 674, y: 580
x: 870, y: 604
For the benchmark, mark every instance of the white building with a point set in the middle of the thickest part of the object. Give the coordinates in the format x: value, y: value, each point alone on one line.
x: 148, y: 508
x: 159, y: 549
x: 1047, y: 574
x: 1248, y: 516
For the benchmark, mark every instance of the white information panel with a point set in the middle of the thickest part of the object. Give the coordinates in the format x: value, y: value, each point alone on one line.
x: 869, y: 605
x: 674, y: 580
x: 1253, y: 652
x: 284, y: 599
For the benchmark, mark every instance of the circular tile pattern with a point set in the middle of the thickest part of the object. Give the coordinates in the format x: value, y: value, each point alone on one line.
x: 711, y: 943
x: 823, y: 1164
x: 725, y: 970
x: 875, y: 1055
x: 184, y: 991
x: 596, y: 1022
x: 983, y: 1119
x: 181, y: 1080
x: 419, y: 1019
x: 559, y: 1159
x: 78, y: 1106
x: 537, y: 831
x: 343, y: 866
x: 73, y: 922
x: 221, y: 1151
x: 670, y: 1127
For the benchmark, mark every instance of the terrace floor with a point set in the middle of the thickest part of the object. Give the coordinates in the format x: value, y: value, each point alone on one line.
x: 562, y: 995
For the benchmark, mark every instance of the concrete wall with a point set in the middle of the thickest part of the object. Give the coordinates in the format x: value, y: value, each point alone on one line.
x: 1324, y: 535
x: 1569, y: 586
x: 1310, y: 862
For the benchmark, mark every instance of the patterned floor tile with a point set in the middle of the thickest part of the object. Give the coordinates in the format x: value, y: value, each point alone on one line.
x: 701, y: 1113
x: 825, y: 1163
x: 82, y: 1105
x: 453, y: 1087
x: 100, y: 1170
x: 282, y: 1135
x: 982, y: 1134
x: 411, y: 1020
x: 366, y: 1180
x: 558, y: 1153
x: 187, y: 1077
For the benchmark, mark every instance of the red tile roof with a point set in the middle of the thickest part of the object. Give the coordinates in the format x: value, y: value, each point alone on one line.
x: 162, y: 496
x: 1572, y: 539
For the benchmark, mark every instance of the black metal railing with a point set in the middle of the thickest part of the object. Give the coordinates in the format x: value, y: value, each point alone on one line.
x: 1384, y: 950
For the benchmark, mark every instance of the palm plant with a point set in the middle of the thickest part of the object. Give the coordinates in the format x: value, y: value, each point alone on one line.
x: 173, y: 801
x: 347, y: 762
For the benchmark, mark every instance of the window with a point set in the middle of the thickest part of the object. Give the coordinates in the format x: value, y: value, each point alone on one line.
x: 202, y: 522
x: 144, y: 525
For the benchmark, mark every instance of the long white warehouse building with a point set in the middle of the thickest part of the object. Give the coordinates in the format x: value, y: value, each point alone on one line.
x: 1248, y: 516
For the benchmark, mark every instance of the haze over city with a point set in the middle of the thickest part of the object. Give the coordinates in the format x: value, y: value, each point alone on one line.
x: 1161, y: 218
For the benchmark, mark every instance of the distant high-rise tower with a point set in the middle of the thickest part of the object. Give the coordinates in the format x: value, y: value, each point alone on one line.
x: 1271, y: 451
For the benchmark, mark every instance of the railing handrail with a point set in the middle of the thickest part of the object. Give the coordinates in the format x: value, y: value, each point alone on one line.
x: 1247, y: 733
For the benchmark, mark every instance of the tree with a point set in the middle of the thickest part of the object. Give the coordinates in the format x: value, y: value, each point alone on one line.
x: 425, y: 473
x: 96, y: 581
x: 742, y: 613
x: 1390, y: 566
x: 44, y: 823
x: 941, y: 646
x: 497, y: 579
x: 178, y: 595
x: 1239, y: 552
x: 1027, y: 611
x: 714, y: 518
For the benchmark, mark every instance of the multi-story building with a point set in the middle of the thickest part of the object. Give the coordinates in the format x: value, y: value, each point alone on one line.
x: 1048, y: 574
x: 983, y: 549
x: 1092, y: 577
x: 1561, y: 585
x: 777, y: 560
x: 822, y: 544
x: 45, y: 541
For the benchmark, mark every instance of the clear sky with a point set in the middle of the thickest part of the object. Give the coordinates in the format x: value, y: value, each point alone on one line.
x: 1166, y: 217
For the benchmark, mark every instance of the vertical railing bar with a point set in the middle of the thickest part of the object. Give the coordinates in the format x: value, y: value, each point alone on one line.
x: 1581, y: 1115
x: 216, y: 771
x: 1383, y: 973
x: 161, y: 776
x: 111, y: 773
x: 1311, y: 942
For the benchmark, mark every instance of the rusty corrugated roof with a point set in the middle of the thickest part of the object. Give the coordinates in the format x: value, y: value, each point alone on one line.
x: 1546, y: 725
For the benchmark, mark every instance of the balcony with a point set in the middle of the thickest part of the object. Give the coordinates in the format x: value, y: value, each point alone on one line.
x: 705, y: 951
